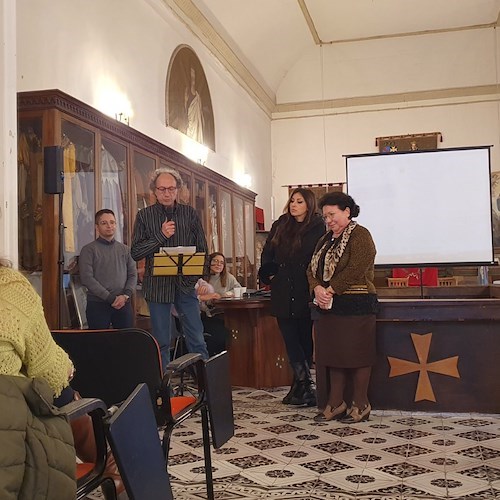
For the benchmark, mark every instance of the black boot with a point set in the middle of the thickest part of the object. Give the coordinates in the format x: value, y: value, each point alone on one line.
x: 292, y: 391
x: 306, y: 391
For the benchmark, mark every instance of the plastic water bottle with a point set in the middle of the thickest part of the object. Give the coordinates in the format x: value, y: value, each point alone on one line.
x: 482, y: 275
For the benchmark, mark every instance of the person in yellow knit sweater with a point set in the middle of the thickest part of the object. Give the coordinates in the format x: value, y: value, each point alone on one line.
x: 26, y: 345
x: 27, y: 349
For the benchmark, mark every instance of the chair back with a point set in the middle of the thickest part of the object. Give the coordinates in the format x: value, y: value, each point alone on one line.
x: 397, y: 282
x: 136, y: 446
x: 448, y: 281
x: 111, y: 363
x: 219, y: 398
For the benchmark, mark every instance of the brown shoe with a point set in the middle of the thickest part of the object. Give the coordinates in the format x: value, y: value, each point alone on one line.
x: 330, y: 413
x: 357, y: 415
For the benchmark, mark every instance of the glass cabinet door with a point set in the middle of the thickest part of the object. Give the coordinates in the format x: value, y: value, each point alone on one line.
x: 213, y: 229
x: 114, y: 185
x: 184, y: 195
x: 200, y: 201
x: 79, y: 189
x: 226, y: 219
x: 143, y: 168
x: 30, y: 195
x: 239, y: 240
x: 250, y: 245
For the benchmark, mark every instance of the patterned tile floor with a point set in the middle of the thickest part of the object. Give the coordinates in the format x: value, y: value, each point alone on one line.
x: 279, y: 452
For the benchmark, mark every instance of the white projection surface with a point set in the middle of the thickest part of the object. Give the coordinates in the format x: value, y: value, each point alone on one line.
x: 425, y: 208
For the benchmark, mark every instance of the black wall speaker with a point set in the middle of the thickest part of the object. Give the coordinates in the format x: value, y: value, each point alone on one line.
x: 53, y: 169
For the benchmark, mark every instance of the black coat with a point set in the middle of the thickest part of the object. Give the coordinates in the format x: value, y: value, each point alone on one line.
x: 290, y: 295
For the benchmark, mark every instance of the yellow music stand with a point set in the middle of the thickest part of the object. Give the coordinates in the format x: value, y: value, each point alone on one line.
x: 181, y: 264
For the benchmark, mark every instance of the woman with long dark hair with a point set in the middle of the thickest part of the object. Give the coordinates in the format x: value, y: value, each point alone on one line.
x: 285, y: 258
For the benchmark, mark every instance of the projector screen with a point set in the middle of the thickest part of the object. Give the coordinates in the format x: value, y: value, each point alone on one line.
x: 425, y: 208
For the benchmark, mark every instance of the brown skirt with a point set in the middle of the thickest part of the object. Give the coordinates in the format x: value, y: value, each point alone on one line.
x: 341, y: 342
x: 345, y: 341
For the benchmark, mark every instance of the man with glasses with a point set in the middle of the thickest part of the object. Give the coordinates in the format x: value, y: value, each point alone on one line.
x: 109, y: 273
x: 169, y: 224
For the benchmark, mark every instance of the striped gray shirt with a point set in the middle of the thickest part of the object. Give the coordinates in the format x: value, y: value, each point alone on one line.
x: 148, y: 238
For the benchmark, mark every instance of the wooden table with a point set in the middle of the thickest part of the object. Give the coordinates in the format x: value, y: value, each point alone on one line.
x: 256, y: 349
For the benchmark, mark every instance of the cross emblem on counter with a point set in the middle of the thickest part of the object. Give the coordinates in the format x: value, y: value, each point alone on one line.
x: 447, y: 366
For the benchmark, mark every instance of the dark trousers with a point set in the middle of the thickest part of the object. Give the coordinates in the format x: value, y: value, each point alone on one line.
x: 67, y: 395
x: 297, y: 334
x: 217, y: 333
x: 101, y: 316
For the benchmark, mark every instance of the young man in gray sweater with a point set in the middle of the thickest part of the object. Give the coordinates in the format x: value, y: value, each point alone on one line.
x: 110, y: 275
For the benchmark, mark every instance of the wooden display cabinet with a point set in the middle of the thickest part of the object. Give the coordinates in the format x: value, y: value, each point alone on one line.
x: 108, y: 164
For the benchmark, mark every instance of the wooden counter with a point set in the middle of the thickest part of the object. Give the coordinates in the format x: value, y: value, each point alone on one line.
x: 436, y: 292
x: 257, y: 352
x: 438, y: 355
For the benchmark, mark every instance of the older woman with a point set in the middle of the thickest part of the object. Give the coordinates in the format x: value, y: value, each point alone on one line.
x: 341, y: 279
x: 221, y: 283
x: 285, y: 258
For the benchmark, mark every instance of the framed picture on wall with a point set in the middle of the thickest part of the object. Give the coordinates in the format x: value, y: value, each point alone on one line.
x: 188, y: 105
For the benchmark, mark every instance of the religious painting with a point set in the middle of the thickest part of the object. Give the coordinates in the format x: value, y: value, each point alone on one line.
x: 495, y: 200
x: 409, y: 142
x: 188, y: 105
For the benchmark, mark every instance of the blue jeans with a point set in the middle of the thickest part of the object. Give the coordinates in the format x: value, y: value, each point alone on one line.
x: 101, y: 316
x: 188, y: 308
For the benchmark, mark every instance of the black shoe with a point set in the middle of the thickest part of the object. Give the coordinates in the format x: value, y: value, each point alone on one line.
x: 305, y: 395
x: 306, y: 391
x: 291, y: 393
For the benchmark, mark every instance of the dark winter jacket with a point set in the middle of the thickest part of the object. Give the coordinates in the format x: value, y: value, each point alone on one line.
x: 37, y: 457
x: 290, y: 295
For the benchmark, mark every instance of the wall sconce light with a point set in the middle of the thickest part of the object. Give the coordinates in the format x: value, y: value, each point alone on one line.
x: 122, y: 118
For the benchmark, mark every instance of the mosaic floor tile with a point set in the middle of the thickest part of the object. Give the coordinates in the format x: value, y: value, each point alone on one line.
x: 279, y: 452
x: 360, y: 480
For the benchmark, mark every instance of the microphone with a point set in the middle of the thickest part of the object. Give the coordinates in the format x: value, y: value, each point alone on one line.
x: 169, y: 212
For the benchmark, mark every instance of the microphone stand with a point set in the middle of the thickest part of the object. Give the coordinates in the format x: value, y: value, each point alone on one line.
x: 421, y: 274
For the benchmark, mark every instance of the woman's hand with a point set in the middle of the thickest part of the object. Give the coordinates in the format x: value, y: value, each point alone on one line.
x: 203, y: 289
x: 323, y: 296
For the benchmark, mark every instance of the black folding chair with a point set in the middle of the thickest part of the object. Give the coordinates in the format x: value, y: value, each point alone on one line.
x: 89, y: 476
x: 111, y: 363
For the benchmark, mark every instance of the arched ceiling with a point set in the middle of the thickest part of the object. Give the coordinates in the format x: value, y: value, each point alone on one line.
x: 259, y: 41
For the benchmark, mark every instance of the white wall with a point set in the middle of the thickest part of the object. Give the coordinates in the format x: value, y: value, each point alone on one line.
x: 308, y: 145
x: 95, y: 50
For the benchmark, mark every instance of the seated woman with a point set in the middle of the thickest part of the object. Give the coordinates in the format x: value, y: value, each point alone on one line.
x: 219, y: 283
x: 27, y: 349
